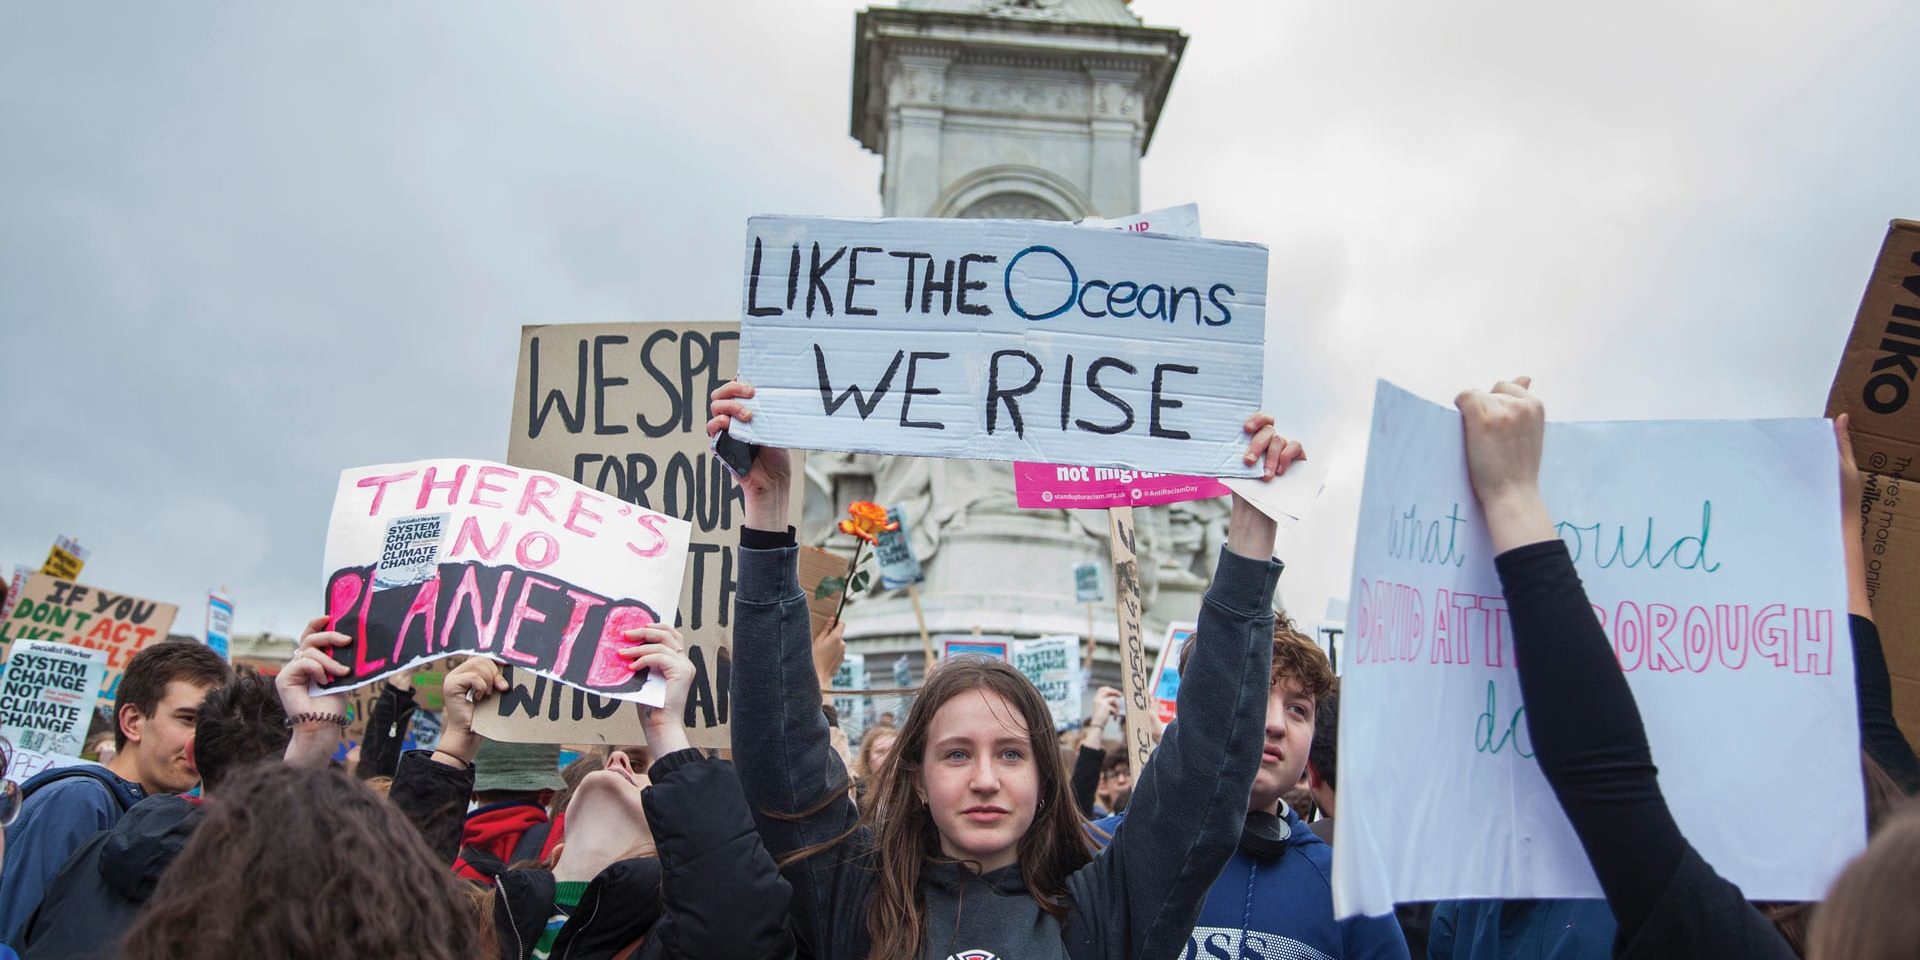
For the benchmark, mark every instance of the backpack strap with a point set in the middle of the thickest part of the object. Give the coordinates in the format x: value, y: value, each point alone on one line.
x: 531, y: 843
x: 482, y: 862
x: 92, y: 772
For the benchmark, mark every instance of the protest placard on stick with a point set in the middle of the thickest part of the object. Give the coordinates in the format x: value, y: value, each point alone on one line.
x: 61, y: 611
x: 220, y: 624
x: 1053, y: 664
x: 1164, y: 682
x: 622, y: 408
x: 1133, y: 647
x: 47, y: 696
x: 66, y: 559
x: 993, y: 646
x: 1002, y: 340
x: 441, y: 557
x: 1709, y: 554
x: 1874, y: 387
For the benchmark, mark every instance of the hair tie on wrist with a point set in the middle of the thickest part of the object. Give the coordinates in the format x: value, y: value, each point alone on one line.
x: 333, y: 718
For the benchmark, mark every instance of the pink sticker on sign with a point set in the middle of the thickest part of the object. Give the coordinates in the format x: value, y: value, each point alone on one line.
x: 1045, y: 485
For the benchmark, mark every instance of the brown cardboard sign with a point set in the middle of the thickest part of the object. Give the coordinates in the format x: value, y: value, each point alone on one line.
x: 622, y: 408
x: 817, y: 565
x: 1875, y: 385
x: 49, y: 608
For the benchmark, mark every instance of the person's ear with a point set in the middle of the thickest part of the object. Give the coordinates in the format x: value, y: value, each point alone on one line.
x: 1314, y: 779
x: 132, y: 723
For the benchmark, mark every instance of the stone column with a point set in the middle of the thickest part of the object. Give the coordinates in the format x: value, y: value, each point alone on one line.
x: 916, y: 110
x: 1113, y: 159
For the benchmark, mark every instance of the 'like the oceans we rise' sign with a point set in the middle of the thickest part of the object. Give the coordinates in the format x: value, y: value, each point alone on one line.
x: 1002, y: 340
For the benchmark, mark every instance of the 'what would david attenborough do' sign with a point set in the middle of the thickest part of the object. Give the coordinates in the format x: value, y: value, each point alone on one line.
x: 441, y: 557
x: 1002, y: 340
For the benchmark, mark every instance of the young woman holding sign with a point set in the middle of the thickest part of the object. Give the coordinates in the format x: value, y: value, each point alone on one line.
x: 972, y: 846
x: 1587, y: 733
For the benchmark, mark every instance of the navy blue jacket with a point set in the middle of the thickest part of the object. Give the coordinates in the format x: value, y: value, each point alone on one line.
x: 1275, y: 899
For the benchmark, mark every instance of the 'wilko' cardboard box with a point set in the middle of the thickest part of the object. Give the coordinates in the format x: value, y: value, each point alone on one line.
x: 1876, y: 384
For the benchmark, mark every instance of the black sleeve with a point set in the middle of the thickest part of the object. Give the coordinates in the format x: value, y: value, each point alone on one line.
x: 713, y: 865
x: 795, y: 783
x: 1086, y: 778
x: 386, y: 731
x: 1880, y: 734
x: 1592, y: 748
x: 434, y: 797
x: 1142, y: 894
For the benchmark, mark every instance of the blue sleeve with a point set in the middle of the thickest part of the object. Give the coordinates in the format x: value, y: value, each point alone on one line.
x: 58, y: 818
x: 1374, y: 938
x: 1440, y: 931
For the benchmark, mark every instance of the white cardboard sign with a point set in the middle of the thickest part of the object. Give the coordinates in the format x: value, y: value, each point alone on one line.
x: 1053, y: 664
x: 1002, y: 340
x: 1710, y: 551
x: 47, y: 696
x: 441, y: 557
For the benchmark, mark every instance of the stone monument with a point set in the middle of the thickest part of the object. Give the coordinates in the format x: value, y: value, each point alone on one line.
x: 1033, y: 109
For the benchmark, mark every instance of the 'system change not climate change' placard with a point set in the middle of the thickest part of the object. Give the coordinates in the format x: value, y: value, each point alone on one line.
x: 441, y: 557
x: 1002, y: 340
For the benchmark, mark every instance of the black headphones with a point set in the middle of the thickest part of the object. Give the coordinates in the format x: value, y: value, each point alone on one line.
x: 1265, y: 836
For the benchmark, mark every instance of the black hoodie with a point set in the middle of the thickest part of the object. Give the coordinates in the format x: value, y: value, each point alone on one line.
x: 100, y: 891
x: 1139, y: 897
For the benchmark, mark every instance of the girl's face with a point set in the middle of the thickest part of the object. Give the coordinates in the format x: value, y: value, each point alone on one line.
x: 979, y: 778
x: 877, y: 755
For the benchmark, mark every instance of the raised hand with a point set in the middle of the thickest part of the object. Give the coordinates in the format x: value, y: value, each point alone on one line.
x: 1265, y: 444
x: 771, y: 476
x: 317, y: 719
x: 466, y: 687
x: 829, y: 649
x: 661, y: 649
x: 1505, y: 431
x: 1107, y: 704
x: 1251, y: 533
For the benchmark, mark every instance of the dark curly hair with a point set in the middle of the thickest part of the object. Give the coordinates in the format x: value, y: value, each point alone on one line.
x: 305, y: 864
x: 241, y: 722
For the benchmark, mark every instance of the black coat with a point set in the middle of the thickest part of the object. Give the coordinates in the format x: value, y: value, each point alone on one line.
x: 100, y: 891
x: 711, y: 893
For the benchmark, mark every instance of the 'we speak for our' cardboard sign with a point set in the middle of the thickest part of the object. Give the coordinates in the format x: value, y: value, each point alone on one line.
x: 1002, y: 340
x: 622, y: 408
x: 1710, y: 554
x: 441, y: 557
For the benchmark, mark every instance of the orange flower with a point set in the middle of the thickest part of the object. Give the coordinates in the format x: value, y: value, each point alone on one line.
x: 867, y: 520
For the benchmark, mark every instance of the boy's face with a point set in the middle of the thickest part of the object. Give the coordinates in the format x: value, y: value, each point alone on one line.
x: 1289, y: 734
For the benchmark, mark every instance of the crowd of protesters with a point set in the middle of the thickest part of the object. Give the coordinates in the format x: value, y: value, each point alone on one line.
x: 219, y: 824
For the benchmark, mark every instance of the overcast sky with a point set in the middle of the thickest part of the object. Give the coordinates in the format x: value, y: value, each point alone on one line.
x: 243, y: 246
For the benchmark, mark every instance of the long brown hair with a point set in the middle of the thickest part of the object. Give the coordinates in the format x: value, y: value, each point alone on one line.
x: 308, y: 865
x: 906, y: 839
